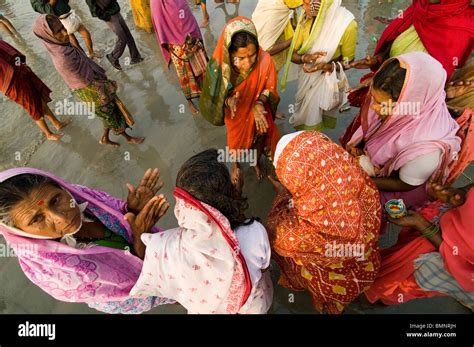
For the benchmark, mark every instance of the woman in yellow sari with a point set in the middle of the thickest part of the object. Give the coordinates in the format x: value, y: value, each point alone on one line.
x: 326, y: 34
x: 142, y: 14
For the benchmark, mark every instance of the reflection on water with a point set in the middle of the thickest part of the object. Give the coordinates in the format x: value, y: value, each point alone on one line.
x: 151, y: 92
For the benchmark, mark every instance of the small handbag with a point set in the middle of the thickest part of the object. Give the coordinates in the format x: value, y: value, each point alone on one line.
x: 197, y: 56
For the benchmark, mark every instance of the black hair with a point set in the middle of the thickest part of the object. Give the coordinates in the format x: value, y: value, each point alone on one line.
x: 16, y: 189
x: 241, y: 40
x: 208, y: 180
x: 390, y: 79
x: 51, y: 20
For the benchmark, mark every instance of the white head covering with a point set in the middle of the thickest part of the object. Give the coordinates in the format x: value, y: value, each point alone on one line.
x: 284, y: 141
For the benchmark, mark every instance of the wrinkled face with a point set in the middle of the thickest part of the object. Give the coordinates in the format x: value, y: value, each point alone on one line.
x: 383, y: 104
x: 47, y: 211
x: 59, y: 31
x: 307, y: 8
x: 244, y: 58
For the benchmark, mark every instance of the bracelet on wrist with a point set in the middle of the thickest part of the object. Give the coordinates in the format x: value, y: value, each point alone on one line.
x: 434, y: 229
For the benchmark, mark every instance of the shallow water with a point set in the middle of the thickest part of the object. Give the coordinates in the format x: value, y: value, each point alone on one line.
x: 151, y: 93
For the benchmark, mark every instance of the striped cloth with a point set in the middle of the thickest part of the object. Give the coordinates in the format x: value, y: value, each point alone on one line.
x: 431, y: 275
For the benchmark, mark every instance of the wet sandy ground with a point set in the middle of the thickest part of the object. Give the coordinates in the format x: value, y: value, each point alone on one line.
x: 151, y: 92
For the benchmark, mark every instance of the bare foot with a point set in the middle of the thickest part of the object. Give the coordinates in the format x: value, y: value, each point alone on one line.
x: 104, y: 141
x: 259, y: 171
x: 194, y: 110
x: 280, y: 115
x: 54, y: 137
x: 204, y: 23
x: 95, y: 55
x: 63, y: 124
x: 135, y: 140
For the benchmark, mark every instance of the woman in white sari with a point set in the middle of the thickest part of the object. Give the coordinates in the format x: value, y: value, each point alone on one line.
x: 326, y: 36
x: 216, y: 260
x: 275, y: 27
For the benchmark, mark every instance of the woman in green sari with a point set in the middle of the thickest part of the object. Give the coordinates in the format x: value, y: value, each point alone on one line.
x: 87, y: 80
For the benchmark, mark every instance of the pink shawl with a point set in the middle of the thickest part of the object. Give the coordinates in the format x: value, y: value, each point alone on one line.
x: 173, y: 21
x: 405, y: 135
x: 96, y: 275
x: 77, y: 70
x: 199, y: 264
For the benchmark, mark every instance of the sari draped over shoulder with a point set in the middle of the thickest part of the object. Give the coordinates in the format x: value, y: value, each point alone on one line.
x: 445, y: 30
x: 410, y: 132
x: 324, y: 34
x: 200, y: 263
x: 101, y: 277
x: 262, y: 79
x: 272, y: 19
x: 330, y: 208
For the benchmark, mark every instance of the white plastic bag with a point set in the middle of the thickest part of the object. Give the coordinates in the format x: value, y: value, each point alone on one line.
x: 335, y: 89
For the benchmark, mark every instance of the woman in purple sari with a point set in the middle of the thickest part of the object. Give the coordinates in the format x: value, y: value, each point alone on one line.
x: 79, y: 244
x: 174, y: 23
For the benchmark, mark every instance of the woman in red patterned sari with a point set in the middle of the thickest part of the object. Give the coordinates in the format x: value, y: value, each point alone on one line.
x: 324, y: 222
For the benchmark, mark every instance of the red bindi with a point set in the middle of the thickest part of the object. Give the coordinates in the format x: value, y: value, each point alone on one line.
x: 40, y: 203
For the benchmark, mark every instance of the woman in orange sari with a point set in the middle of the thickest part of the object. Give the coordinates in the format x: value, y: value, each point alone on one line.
x: 240, y: 91
x: 324, y: 222
x: 434, y: 255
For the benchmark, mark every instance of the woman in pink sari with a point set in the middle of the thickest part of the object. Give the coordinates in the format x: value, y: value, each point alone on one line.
x: 407, y: 136
x: 175, y: 28
x: 74, y: 242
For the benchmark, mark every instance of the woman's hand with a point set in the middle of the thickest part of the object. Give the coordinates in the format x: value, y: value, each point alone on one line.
x: 447, y: 194
x: 323, y: 67
x: 458, y: 88
x: 260, y: 119
x: 144, y: 221
x: 411, y: 220
x: 311, y: 58
x: 232, y: 102
x: 139, y: 196
x: 366, y: 63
